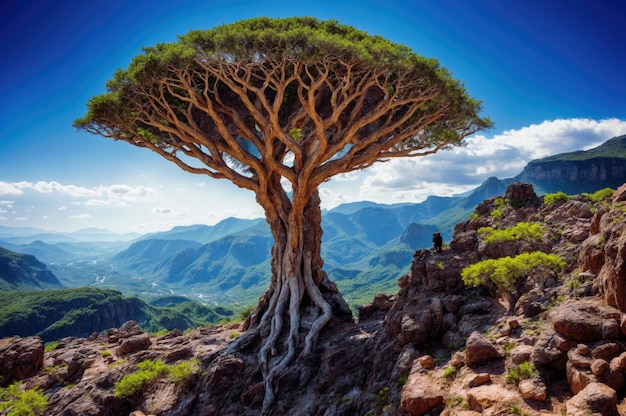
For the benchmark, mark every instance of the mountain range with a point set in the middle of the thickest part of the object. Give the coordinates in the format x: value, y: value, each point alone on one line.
x: 366, y: 246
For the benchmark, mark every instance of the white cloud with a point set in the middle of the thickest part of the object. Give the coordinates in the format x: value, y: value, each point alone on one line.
x: 503, y: 156
x: 170, y: 212
x: 80, y: 216
x: 9, y: 189
x: 129, y: 193
x: 117, y: 192
x: 161, y: 211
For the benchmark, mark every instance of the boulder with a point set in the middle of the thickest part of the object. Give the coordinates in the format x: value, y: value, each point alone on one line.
x: 521, y: 353
x: 134, y: 343
x: 20, y: 358
x: 533, y: 390
x: 421, y: 394
x: 586, y: 320
x: 488, y: 395
x: 594, y: 398
x: 479, y: 349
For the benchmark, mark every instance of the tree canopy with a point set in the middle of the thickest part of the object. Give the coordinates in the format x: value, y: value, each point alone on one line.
x: 279, y: 106
x: 292, y: 96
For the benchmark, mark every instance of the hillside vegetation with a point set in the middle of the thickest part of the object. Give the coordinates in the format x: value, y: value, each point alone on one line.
x: 23, y: 271
x: 54, y: 314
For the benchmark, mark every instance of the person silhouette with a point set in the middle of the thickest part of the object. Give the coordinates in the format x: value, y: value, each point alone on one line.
x: 437, y: 241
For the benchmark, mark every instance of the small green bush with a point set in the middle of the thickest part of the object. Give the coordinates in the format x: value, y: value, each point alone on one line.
x: 523, y: 371
x: 512, y: 377
x: 22, y: 403
x: 555, y: 197
x: 450, y: 372
x: 51, y: 346
x: 503, y: 272
x: 521, y: 231
x: 183, y: 369
x: 527, y: 370
x: 600, y: 195
x: 150, y: 371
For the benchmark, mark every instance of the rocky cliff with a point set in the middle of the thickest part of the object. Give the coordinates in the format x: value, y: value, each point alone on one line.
x: 575, y: 172
x: 571, y: 176
x: 551, y: 342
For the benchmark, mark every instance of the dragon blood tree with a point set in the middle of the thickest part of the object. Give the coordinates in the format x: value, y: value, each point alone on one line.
x: 278, y: 106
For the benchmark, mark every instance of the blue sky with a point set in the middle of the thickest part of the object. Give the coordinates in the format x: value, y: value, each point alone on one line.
x: 549, y: 74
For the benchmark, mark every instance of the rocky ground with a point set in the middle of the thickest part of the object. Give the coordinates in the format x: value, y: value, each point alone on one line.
x: 552, y: 344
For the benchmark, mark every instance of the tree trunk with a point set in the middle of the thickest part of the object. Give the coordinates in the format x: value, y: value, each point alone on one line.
x: 297, y: 279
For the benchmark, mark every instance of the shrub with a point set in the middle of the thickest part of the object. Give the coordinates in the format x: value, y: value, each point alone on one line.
x: 512, y: 377
x: 183, y: 369
x: 450, y: 372
x: 523, y: 371
x: 150, y: 371
x: 22, y: 403
x: 51, y: 346
x: 503, y: 272
x: 600, y: 195
x: 521, y: 231
x: 527, y: 370
x: 555, y: 197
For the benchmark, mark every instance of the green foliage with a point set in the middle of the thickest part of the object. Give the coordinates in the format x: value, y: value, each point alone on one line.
x: 184, y: 369
x: 523, y: 371
x: 51, y: 346
x: 454, y: 401
x: 150, y: 371
x: 22, y: 403
x: 450, y: 372
x: 258, y: 44
x: 496, y: 213
x: 521, y: 231
x: 53, y: 314
x: 527, y: 370
x: 512, y: 377
x: 600, y: 195
x: 503, y: 272
x: 555, y: 197
x: 246, y: 312
x: 296, y: 134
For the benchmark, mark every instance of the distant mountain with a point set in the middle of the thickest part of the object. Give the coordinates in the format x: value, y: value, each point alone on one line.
x: 45, y: 252
x: 580, y: 171
x: 149, y: 253
x: 24, y: 272
x: 26, y: 235
x: 55, y: 314
x: 205, y: 233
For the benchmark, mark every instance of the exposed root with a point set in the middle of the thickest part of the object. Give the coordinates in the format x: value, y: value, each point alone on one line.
x: 273, y: 364
x: 317, y: 298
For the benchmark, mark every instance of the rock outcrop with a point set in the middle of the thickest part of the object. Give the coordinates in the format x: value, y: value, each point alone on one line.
x: 552, y: 342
